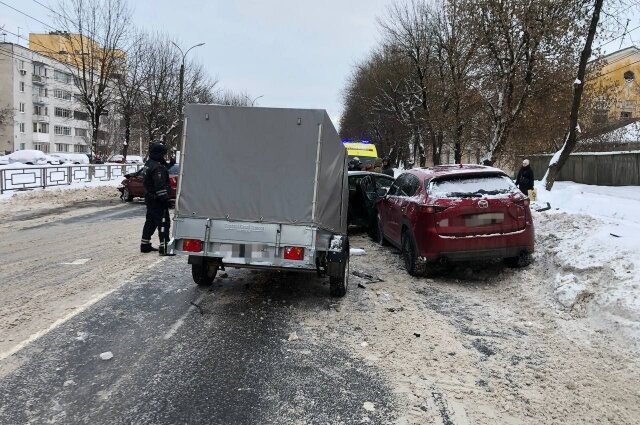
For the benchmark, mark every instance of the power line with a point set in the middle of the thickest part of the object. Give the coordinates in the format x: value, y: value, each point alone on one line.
x: 50, y: 9
x: 27, y: 15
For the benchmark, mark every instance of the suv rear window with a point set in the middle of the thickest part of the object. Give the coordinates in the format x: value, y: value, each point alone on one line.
x: 471, y: 186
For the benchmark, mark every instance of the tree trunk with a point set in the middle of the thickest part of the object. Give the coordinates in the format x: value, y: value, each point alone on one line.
x: 127, y: 134
x: 560, y: 158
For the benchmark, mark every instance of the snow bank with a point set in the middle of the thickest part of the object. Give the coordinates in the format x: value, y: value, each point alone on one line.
x: 592, y: 237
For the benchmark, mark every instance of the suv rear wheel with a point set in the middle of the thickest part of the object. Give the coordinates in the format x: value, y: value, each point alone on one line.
x: 126, y: 195
x: 522, y: 260
x: 410, y: 255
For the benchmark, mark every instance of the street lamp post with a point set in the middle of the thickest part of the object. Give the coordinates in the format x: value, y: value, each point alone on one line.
x: 181, y: 93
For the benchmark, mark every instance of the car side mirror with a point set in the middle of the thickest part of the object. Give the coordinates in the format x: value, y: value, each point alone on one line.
x: 127, y: 175
x: 381, y: 192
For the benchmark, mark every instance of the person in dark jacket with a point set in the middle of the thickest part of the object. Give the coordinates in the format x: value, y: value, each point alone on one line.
x: 525, y: 178
x: 156, y: 197
x: 386, y: 166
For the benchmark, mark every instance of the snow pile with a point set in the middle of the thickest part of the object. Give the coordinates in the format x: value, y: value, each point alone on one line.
x: 589, y: 242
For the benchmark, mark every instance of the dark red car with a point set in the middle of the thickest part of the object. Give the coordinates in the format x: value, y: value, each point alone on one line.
x: 132, y: 186
x: 456, y: 213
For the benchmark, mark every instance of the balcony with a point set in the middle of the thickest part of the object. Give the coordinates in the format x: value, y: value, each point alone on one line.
x: 39, y: 99
x: 40, y: 138
x: 38, y: 79
x: 40, y: 118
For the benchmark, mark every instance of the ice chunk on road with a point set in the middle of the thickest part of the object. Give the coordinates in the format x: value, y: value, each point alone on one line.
x: 368, y: 406
x: 107, y: 355
x: 357, y: 251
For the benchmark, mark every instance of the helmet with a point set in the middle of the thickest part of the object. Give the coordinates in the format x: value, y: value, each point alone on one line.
x: 158, y: 149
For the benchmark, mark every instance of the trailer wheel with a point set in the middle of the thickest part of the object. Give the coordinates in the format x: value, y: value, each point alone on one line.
x: 204, y: 274
x: 338, y: 285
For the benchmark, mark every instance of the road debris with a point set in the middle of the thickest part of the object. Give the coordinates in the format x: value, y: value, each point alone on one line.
x: 293, y: 336
x: 107, y: 355
x: 368, y: 406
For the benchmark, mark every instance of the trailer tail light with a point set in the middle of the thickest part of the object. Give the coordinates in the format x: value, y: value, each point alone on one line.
x: 192, y: 245
x: 293, y: 253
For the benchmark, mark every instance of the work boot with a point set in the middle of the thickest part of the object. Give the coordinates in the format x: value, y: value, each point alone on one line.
x: 146, y: 248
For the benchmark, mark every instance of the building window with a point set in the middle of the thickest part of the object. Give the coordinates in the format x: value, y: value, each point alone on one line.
x: 22, y: 146
x: 43, y: 92
x: 35, y: 127
x: 43, y: 127
x: 62, y: 130
x: 44, y: 147
x: 21, y: 126
x: 61, y: 76
x: 61, y: 112
x: 626, y: 114
x: 81, y: 132
x: 80, y: 148
x: 21, y: 107
x: 21, y: 64
x: 39, y: 110
x: 79, y: 115
x: 629, y: 76
x: 62, y: 147
x: 22, y: 86
x: 62, y: 94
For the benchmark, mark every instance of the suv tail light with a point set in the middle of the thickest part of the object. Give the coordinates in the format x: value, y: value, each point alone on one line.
x: 525, y: 202
x: 192, y: 245
x: 293, y: 253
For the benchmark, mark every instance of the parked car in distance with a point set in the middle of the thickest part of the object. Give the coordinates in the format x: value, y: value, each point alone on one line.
x: 52, y: 160
x: 4, y: 160
x: 132, y: 186
x: 28, y: 156
x: 72, y: 158
x: 456, y: 213
x: 364, y: 189
x: 131, y: 159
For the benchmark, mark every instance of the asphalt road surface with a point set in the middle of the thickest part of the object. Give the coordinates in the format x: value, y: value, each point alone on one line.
x: 182, y: 354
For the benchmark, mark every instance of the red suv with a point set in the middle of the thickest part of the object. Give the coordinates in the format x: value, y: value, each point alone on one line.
x: 455, y: 213
x: 133, y: 186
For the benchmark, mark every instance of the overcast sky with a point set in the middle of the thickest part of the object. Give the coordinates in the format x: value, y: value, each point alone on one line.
x: 295, y: 53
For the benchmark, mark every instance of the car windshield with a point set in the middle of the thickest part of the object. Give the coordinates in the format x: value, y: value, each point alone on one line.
x: 471, y: 186
x: 174, y: 169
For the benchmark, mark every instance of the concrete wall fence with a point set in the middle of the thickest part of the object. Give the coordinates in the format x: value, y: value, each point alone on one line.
x: 597, y: 168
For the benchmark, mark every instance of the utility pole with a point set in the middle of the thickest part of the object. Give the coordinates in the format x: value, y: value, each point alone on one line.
x: 181, y: 93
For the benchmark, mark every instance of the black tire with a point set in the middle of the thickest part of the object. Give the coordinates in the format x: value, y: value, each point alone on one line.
x: 522, y: 260
x: 379, y: 237
x: 410, y: 255
x: 204, y: 274
x: 126, y: 195
x: 338, y: 286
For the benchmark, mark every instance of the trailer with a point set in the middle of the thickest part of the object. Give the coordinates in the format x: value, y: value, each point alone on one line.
x: 262, y: 188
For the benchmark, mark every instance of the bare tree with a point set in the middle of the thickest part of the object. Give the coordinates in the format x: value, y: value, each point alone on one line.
x: 130, y: 87
x: 559, y: 159
x: 96, y: 31
x: 517, y: 39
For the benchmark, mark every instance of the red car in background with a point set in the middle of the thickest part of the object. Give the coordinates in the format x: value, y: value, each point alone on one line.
x: 456, y: 213
x: 132, y: 186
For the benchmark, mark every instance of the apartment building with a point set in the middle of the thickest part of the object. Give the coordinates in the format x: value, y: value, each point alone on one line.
x: 41, y: 97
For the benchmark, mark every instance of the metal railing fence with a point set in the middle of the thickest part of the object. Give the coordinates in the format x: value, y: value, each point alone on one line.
x: 32, y: 177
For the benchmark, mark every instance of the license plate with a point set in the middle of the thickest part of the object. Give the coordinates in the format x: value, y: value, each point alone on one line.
x: 483, y: 219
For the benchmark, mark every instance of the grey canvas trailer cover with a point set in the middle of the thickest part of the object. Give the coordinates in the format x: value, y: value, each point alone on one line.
x: 262, y: 188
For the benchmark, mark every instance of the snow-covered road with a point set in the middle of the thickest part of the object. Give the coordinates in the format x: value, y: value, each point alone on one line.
x: 480, y: 344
